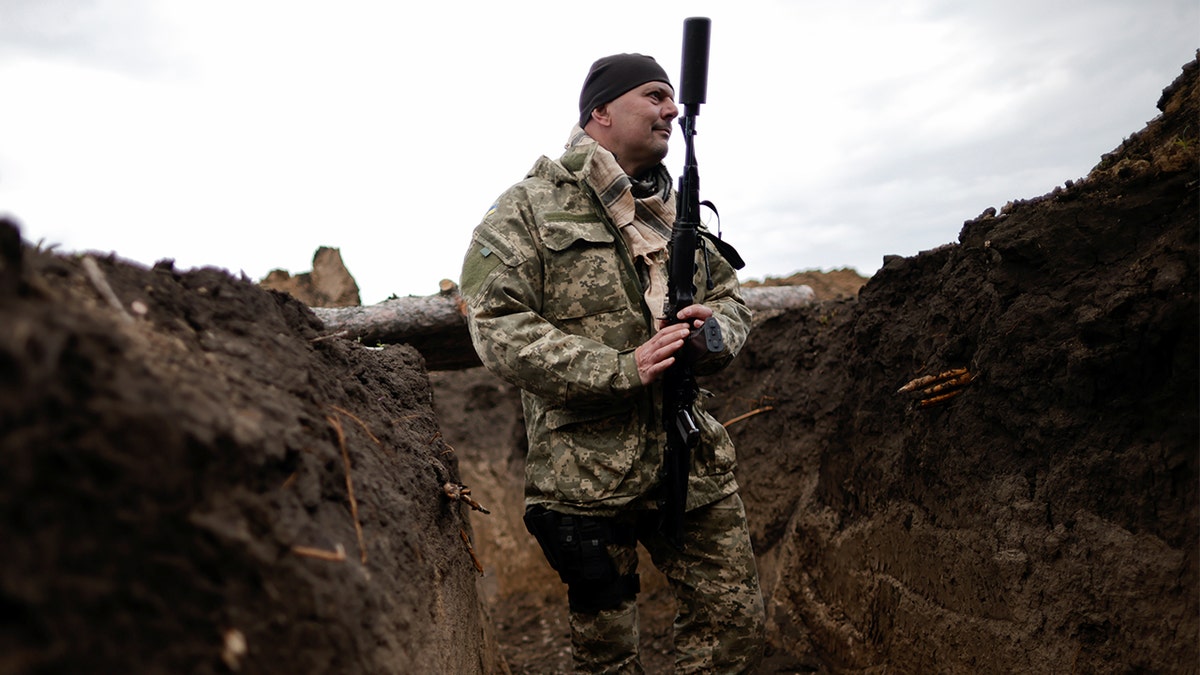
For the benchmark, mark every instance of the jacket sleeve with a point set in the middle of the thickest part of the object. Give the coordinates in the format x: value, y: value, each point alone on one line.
x: 502, y: 283
x: 730, y: 310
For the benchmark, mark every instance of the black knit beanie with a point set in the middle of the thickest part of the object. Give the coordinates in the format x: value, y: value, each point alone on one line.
x: 612, y: 76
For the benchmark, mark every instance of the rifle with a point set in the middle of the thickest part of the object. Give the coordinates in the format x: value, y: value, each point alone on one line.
x: 679, y: 381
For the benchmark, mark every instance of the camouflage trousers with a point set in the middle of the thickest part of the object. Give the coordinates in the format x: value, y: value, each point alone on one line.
x: 719, y: 621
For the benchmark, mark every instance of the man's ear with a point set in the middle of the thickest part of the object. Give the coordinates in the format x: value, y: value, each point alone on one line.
x: 602, y: 116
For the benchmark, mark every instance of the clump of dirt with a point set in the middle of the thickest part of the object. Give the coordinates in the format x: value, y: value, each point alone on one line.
x: 178, y: 471
x: 832, y: 285
x: 329, y: 284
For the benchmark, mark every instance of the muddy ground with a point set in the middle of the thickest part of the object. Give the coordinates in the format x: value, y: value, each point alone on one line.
x: 198, y: 478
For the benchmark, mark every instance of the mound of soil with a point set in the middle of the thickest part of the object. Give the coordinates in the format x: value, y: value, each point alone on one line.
x: 1044, y: 520
x: 197, y: 478
x: 832, y: 285
x: 181, y: 463
x: 329, y: 284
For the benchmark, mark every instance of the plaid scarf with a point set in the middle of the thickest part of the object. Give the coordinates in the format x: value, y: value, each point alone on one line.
x: 643, y: 221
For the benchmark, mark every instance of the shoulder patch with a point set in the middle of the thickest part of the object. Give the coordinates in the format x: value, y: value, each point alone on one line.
x: 477, y: 268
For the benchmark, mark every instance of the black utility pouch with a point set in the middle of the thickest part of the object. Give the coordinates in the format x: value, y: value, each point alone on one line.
x: 594, y: 562
x: 576, y: 547
x: 542, y: 523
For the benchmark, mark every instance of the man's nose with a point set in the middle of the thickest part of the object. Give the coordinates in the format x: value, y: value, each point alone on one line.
x: 670, y: 110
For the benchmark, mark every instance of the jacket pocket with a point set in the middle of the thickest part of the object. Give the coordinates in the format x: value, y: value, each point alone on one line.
x: 716, y: 455
x: 590, y: 453
x: 582, y: 274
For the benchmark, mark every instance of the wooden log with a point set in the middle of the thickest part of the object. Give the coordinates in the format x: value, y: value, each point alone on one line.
x: 433, y: 324
x: 436, y: 325
x: 770, y: 298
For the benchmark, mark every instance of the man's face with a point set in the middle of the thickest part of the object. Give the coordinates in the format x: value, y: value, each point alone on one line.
x: 640, y: 126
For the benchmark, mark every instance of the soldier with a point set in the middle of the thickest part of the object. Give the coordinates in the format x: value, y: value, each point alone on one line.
x: 565, y: 282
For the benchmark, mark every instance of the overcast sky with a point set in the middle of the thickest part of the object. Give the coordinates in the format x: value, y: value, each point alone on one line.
x: 244, y: 134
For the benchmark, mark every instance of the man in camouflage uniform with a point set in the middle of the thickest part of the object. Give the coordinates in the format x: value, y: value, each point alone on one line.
x: 565, y: 284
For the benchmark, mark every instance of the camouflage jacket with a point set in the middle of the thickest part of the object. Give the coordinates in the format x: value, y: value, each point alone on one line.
x: 555, y: 307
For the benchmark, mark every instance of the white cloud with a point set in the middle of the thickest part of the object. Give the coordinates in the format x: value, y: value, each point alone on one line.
x: 246, y: 134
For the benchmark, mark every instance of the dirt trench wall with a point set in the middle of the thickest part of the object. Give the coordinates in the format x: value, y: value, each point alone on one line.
x: 1046, y: 519
x: 1043, y: 521
x: 175, y: 469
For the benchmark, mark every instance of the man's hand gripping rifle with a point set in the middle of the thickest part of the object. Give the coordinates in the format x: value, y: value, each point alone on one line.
x: 679, y: 382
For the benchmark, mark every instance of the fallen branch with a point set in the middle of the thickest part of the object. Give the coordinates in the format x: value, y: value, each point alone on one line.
x: 764, y: 298
x: 436, y: 325
x: 337, y: 427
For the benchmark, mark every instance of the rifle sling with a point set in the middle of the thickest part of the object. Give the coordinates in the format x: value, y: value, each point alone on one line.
x: 727, y: 251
